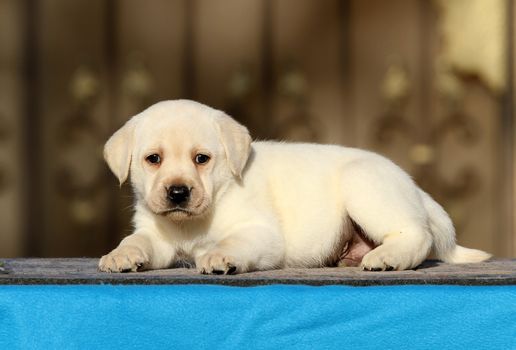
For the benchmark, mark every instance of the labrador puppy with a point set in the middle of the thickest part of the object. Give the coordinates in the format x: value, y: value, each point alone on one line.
x: 206, y: 193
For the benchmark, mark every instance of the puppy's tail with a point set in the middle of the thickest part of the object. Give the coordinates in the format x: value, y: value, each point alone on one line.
x: 443, y: 234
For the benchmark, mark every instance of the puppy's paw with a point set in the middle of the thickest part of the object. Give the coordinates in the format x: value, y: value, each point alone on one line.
x: 124, y: 259
x: 217, y: 263
x: 383, y: 258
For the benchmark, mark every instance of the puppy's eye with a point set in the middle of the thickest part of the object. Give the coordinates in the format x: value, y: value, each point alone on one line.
x: 201, y: 158
x: 153, y: 159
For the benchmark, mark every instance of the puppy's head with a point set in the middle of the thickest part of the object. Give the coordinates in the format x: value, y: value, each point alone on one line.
x: 180, y: 154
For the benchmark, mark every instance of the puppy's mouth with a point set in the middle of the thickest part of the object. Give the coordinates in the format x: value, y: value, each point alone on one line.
x: 176, y: 210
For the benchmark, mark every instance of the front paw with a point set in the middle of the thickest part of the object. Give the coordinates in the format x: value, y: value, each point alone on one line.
x: 124, y: 259
x: 218, y: 263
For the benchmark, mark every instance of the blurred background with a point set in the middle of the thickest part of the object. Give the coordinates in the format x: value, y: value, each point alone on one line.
x: 430, y: 84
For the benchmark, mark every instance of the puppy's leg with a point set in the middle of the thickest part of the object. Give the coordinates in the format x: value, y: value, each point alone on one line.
x: 246, y: 249
x: 386, y: 204
x: 401, y: 250
x: 139, y: 251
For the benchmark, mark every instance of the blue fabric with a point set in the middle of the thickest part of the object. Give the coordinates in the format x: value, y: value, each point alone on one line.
x: 269, y: 317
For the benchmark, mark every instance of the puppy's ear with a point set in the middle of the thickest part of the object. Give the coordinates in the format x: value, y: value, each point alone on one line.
x: 118, y: 151
x: 236, y: 141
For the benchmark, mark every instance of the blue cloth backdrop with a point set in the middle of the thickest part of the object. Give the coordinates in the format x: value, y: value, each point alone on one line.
x: 268, y: 317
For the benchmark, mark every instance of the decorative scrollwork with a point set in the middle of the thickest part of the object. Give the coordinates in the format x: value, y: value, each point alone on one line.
x: 79, y: 176
x: 475, y: 37
x: 451, y: 91
x: 461, y: 126
x: 424, y: 155
x: 241, y: 83
x: 241, y: 93
x: 391, y: 125
x: 137, y: 81
x: 294, y: 121
x: 395, y: 91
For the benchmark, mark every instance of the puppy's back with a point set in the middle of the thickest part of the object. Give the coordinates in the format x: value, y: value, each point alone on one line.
x: 302, y: 184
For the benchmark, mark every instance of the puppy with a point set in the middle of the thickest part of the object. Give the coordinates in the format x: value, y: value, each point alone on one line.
x: 206, y: 193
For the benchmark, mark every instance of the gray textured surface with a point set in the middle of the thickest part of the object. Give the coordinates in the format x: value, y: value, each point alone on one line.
x: 84, y: 271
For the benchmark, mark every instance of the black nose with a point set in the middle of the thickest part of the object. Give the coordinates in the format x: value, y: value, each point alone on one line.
x: 178, y: 194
